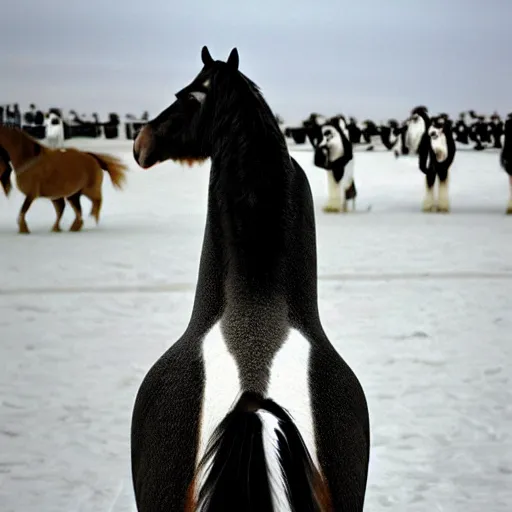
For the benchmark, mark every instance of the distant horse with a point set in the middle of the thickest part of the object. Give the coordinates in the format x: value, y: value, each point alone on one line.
x: 56, y: 174
x: 54, y: 130
x: 252, y: 409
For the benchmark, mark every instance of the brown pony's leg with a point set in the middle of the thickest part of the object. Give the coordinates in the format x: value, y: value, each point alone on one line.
x: 59, y: 205
x: 95, y: 210
x: 23, y: 228
x: 94, y: 194
x: 74, y: 201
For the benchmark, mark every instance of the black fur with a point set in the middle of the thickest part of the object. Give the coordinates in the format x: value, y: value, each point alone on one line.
x: 238, y: 476
x: 506, y: 152
x: 496, y: 127
x: 5, y: 171
x: 354, y: 131
x: 257, y: 277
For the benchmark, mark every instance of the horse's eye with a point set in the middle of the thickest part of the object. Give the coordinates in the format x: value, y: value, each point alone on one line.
x: 197, y: 96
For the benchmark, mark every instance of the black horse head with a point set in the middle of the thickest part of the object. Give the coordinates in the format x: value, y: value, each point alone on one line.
x: 183, y: 131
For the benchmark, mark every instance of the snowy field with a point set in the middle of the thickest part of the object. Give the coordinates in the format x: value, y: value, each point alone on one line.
x: 420, y: 305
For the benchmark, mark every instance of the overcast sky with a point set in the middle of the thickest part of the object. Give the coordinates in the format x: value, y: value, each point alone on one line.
x: 367, y: 58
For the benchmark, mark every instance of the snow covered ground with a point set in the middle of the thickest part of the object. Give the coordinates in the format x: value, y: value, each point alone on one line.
x: 418, y: 304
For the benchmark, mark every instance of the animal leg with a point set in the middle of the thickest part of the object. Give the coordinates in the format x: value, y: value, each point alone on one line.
x: 95, y: 210
x: 429, y: 204
x: 94, y: 194
x: 509, y: 207
x: 74, y: 201
x: 23, y: 228
x: 443, y: 204
x: 334, y: 202
x: 59, y: 205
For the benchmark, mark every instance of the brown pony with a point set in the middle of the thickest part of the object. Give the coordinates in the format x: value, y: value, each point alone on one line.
x: 56, y: 174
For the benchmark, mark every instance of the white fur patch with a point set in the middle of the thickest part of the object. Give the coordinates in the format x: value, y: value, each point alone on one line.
x: 348, y: 176
x: 415, y: 131
x: 443, y: 200
x: 438, y: 143
x: 289, y: 386
x: 199, y: 96
x: 331, y: 139
x: 429, y: 201
x: 275, y: 473
x: 54, y: 133
x: 343, y: 127
x: 221, y: 391
x: 334, y: 196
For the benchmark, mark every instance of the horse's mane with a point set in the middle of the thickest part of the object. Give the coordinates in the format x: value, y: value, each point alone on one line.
x: 242, y: 98
x: 36, y: 145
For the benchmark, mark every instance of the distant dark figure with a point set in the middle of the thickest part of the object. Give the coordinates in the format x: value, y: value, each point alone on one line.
x: 506, y: 158
x: 497, y: 129
x: 436, y: 154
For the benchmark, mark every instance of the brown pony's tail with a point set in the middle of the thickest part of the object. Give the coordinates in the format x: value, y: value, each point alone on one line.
x: 114, y: 166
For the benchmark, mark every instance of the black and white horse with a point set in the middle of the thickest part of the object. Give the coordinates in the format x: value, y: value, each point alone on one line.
x: 252, y: 409
x: 335, y: 154
x: 436, y: 154
x: 506, y: 158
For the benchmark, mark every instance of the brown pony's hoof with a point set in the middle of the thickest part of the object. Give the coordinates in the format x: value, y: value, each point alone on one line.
x: 509, y: 211
x: 23, y: 230
x: 77, y: 225
x: 56, y: 229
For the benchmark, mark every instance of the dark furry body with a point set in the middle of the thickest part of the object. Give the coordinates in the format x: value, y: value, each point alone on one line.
x: 506, y: 152
x: 257, y: 277
x: 428, y: 163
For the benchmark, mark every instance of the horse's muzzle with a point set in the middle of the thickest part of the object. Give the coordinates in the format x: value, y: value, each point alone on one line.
x: 143, y: 148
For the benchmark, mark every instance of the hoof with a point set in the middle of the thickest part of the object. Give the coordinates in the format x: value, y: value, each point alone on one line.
x: 23, y: 231
x: 443, y: 209
x: 509, y: 211
x: 56, y: 229
x: 331, y: 209
x: 76, y: 226
x: 429, y: 208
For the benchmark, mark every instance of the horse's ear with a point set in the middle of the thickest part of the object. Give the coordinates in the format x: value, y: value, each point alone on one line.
x: 206, y: 57
x: 233, y: 59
